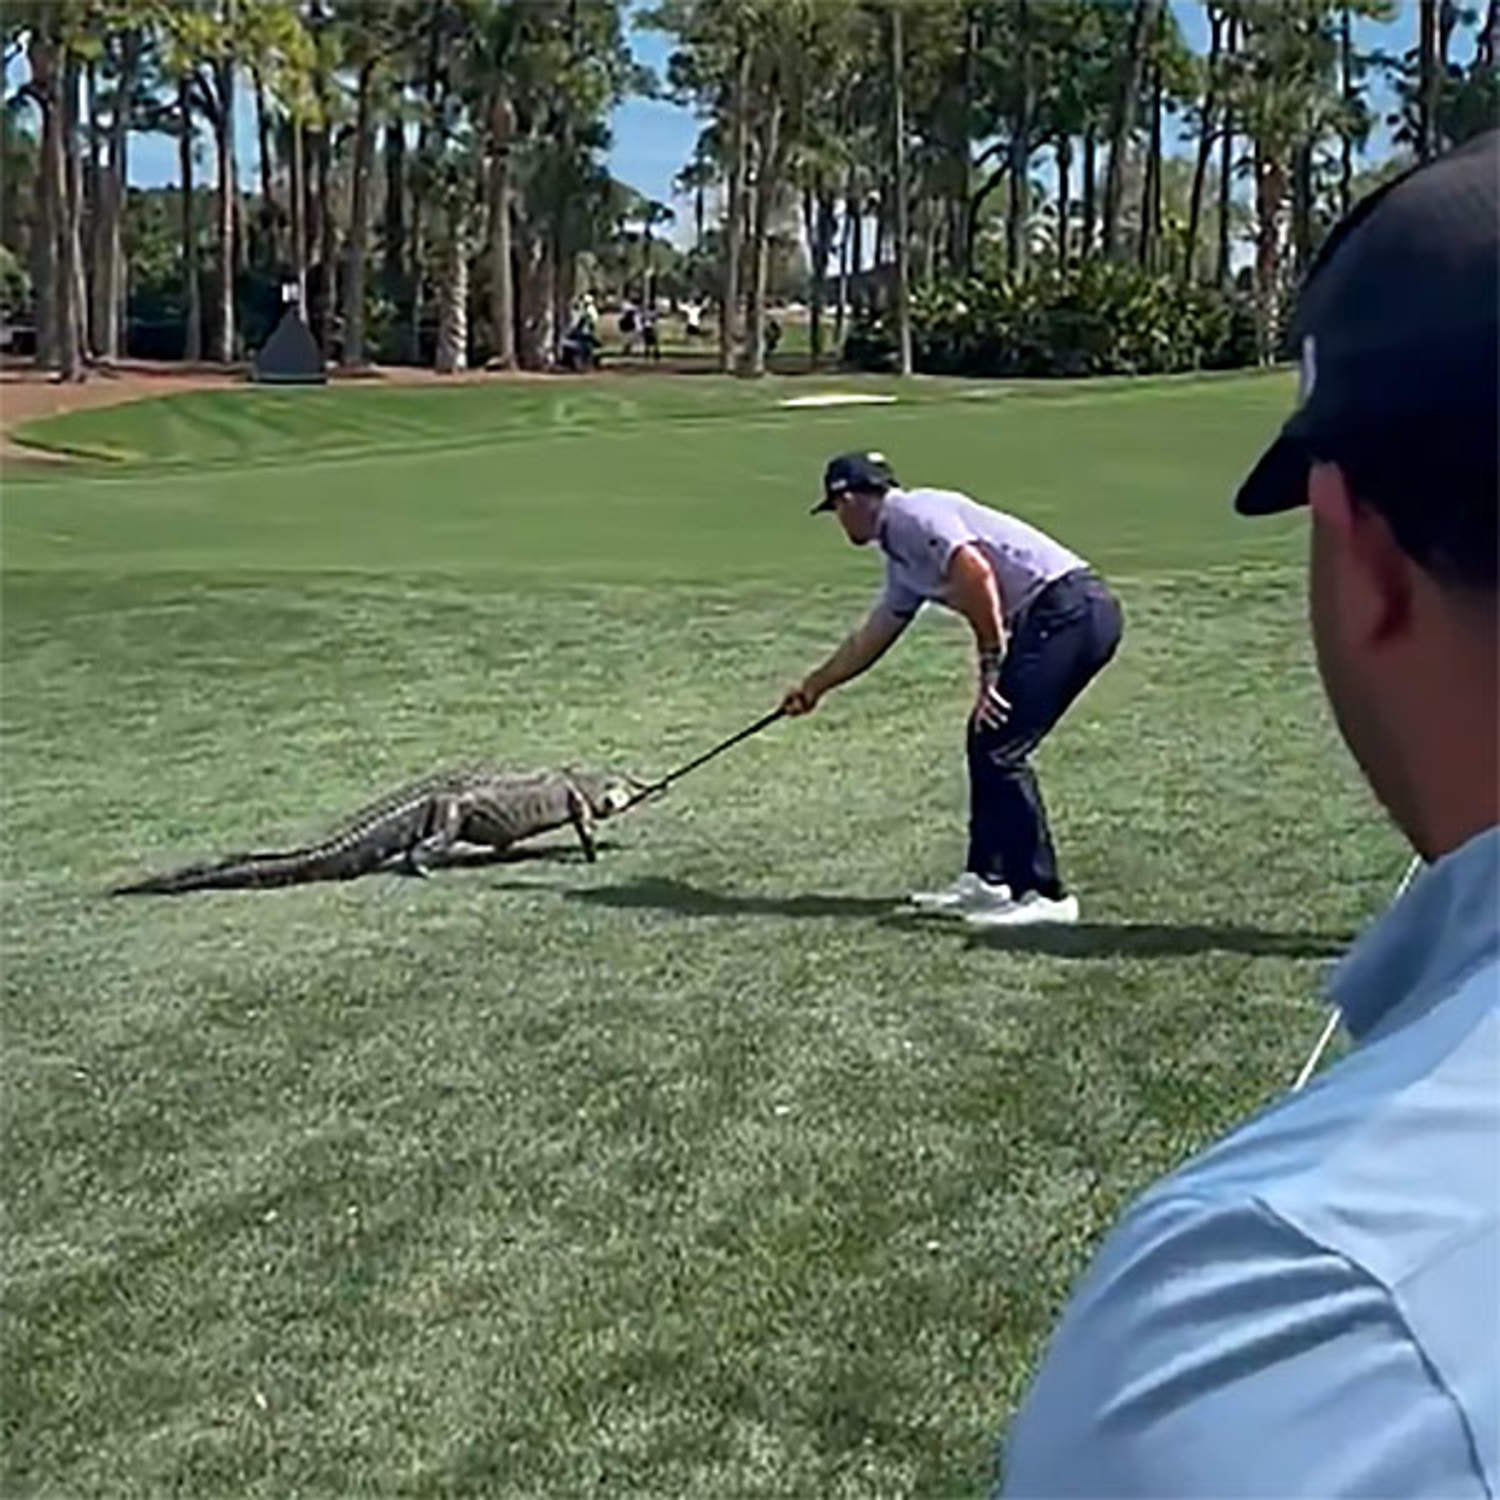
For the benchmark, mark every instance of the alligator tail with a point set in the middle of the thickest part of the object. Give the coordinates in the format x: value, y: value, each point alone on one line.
x: 234, y: 872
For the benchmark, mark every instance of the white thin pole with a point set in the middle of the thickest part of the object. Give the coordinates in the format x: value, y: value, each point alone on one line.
x: 1335, y: 1016
x: 1411, y: 874
x: 1332, y: 1024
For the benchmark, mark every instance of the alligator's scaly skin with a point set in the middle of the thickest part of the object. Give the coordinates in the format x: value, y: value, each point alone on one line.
x: 417, y: 826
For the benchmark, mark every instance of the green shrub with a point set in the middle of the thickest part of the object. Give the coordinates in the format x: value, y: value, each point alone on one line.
x: 15, y: 284
x: 1096, y: 319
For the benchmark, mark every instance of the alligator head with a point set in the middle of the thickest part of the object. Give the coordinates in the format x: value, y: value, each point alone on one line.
x: 609, y: 792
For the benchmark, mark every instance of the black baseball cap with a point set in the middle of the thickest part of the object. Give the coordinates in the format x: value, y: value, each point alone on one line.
x: 1397, y: 334
x: 854, y: 471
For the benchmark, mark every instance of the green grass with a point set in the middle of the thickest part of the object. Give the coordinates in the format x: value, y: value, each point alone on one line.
x: 692, y: 1172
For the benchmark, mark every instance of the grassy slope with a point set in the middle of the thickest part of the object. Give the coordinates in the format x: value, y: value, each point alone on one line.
x: 692, y: 1172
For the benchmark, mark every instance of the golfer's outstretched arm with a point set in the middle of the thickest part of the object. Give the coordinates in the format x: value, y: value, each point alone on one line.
x: 860, y: 649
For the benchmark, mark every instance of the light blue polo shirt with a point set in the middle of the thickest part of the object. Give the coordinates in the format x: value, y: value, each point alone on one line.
x: 920, y: 528
x: 1312, y: 1306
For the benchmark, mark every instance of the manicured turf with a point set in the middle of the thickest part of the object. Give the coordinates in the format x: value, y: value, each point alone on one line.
x: 692, y: 1172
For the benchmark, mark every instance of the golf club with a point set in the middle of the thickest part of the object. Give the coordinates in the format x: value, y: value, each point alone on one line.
x: 692, y: 765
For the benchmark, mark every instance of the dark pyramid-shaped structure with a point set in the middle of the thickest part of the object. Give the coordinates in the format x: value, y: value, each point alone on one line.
x: 290, y: 356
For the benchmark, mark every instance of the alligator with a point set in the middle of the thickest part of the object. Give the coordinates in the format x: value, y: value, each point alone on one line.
x: 425, y: 823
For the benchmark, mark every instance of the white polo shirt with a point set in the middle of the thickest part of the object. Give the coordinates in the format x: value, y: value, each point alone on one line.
x: 919, y: 530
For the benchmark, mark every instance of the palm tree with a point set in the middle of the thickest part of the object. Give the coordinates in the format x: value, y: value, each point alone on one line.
x: 1207, y: 114
x: 696, y: 178
x: 903, y: 248
x: 1143, y: 25
x: 650, y: 215
x: 192, y: 345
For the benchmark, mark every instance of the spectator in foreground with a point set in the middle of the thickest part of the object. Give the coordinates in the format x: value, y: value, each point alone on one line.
x: 1312, y: 1306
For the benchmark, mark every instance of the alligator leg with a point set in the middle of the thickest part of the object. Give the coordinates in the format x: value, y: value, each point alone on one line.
x: 442, y: 832
x: 582, y: 818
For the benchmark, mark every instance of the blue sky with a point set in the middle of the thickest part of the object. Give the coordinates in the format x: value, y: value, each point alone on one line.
x: 652, y: 138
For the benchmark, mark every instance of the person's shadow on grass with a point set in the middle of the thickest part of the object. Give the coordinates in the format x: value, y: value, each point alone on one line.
x: 1086, y: 940
x: 1159, y: 940
x: 655, y: 892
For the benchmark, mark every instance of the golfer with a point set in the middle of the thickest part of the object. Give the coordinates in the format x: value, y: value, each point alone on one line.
x: 1044, y: 625
x: 1312, y: 1306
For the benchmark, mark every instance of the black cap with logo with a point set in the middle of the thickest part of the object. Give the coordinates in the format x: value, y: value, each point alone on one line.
x: 854, y: 471
x: 1398, y: 332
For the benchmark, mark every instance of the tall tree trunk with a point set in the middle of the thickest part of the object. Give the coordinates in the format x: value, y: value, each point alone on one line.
x: 533, y: 298
x: 112, y: 203
x: 411, y: 300
x: 393, y: 229
x: 959, y: 243
x: 1302, y: 206
x: 765, y: 190
x: 903, y: 245
x: 297, y: 199
x: 815, y: 274
x: 1143, y: 25
x: 1270, y: 194
x: 846, y: 244
x: 1205, y: 143
x: 94, y: 193
x: 224, y: 132
x: 46, y: 88
x: 933, y: 240
x: 502, y: 289
x: 1448, y: 19
x: 312, y: 224
x: 417, y: 260
x: 321, y: 224
x: 1346, y: 134
x: 452, y: 353
x: 1090, y: 192
x: 825, y: 210
x: 327, y: 242
x: 269, y: 214
x: 1226, y: 163
x: 857, y: 243
x: 1017, y: 203
x: 356, y: 245
x: 192, y: 343
x: 1151, y: 194
x: 729, y: 317
x: 72, y: 291
x: 1429, y: 81
x: 44, y: 250
x: 565, y: 274
x: 561, y: 259
x: 1064, y: 197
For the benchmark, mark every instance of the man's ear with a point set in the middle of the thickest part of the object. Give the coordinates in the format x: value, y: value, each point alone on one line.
x: 1376, y: 575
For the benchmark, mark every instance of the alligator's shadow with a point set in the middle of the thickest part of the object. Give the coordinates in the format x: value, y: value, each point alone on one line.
x: 470, y: 857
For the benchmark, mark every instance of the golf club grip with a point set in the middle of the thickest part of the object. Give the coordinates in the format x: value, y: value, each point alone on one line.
x: 692, y: 765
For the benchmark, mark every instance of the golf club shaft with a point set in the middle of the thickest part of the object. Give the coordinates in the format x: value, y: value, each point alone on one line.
x: 692, y: 765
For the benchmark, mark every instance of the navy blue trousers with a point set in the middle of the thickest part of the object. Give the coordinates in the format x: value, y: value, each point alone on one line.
x: 1058, y: 644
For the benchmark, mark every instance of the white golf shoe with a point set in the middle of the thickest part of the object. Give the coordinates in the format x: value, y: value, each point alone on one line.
x: 1032, y: 909
x: 969, y: 893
